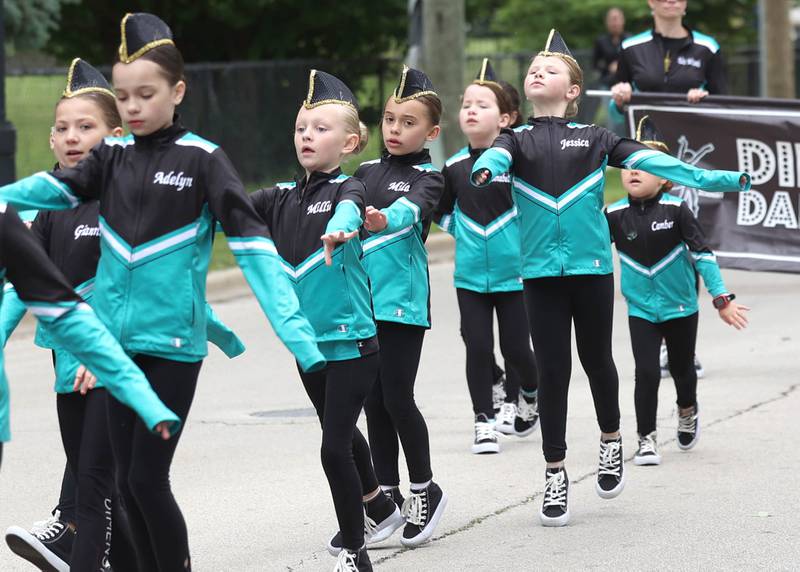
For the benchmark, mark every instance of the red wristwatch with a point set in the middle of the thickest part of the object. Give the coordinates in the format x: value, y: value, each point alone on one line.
x: 722, y: 301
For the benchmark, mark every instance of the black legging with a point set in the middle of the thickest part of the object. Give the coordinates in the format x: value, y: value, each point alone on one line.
x: 680, y: 335
x: 142, y: 461
x: 477, y: 319
x: 66, y: 498
x: 338, y: 393
x: 511, y: 384
x: 552, y: 305
x: 102, y: 525
x: 392, y: 411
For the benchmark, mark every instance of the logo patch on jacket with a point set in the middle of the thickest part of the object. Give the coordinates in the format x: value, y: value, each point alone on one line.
x: 684, y: 61
x: 574, y: 143
x: 400, y: 186
x: 319, y: 207
x: 173, y: 179
x: 86, y: 230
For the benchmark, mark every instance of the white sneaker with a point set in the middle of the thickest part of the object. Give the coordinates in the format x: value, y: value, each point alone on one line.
x: 663, y: 360
x: 647, y: 453
x: 498, y: 394
x: 504, y: 422
x: 485, y: 436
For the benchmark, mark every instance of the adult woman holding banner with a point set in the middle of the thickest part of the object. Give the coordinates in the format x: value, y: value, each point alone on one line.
x: 670, y: 58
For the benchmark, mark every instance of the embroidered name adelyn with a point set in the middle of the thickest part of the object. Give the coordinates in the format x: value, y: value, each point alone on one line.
x: 173, y: 179
x: 86, y: 230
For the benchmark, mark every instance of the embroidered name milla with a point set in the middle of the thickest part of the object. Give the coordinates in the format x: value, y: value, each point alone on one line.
x: 319, y: 207
x: 574, y: 143
x: 173, y: 180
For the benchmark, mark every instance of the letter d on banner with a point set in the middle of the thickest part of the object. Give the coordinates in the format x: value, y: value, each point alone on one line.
x: 746, y: 149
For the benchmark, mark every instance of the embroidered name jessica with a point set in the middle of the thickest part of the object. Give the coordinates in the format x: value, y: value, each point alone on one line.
x: 574, y: 143
x: 173, y: 180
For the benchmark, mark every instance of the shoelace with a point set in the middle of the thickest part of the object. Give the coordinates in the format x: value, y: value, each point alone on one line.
x: 610, y: 461
x: 555, y: 490
x: 647, y: 444
x: 507, y: 413
x: 415, y: 507
x: 498, y: 394
x: 51, y: 531
x: 346, y: 562
x: 527, y: 411
x: 41, y: 525
x: 687, y: 423
x: 483, y: 432
x: 370, y: 527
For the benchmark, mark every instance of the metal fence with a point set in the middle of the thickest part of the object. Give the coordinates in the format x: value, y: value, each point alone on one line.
x: 249, y: 107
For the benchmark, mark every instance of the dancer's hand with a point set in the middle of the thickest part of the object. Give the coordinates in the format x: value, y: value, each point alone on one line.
x: 621, y: 92
x: 84, y: 380
x: 163, y: 429
x: 376, y: 221
x: 333, y: 239
x: 735, y: 315
x: 695, y: 95
x: 481, y: 176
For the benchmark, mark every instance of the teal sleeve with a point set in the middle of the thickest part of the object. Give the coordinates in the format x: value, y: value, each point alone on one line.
x: 706, y: 264
x: 221, y: 335
x: 79, y: 332
x: 5, y: 422
x: 670, y: 168
x: 39, y: 191
x: 259, y: 261
x: 12, y: 310
x: 447, y: 223
x: 400, y: 214
x: 347, y: 218
x: 497, y: 160
x: 615, y: 114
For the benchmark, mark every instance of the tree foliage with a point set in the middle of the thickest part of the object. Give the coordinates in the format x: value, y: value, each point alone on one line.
x: 731, y: 22
x: 30, y: 23
x: 226, y: 30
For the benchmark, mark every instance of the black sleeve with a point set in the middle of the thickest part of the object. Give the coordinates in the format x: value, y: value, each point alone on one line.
x: 426, y: 192
x: 34, y: 276
x: 263, y: 201
x: 691, y: 231
x: 623, y: 69
x: 610, y: 225
x: 354, y: 190
x: 447, y: 202
x: 86, y: 178
x: 716, y: 77
x: 41, y: 229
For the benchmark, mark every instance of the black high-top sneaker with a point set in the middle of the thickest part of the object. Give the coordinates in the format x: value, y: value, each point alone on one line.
x: 396, y: 496
x: 647, y: 453
x: 527, y: 415
x: 485, y: 440
x: 381, y: 519
x: 47, y: 546
x: 689, y: 429
x: 353, y: 561
x: 422, y: 511
x: 610, y: 470
x: 555, y: 508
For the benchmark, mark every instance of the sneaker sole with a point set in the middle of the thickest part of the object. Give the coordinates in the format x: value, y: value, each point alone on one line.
x: 25, y: 545
x: 486, y: 448
x: 562, y: 520
x: 426, y: 533
x: 613, y: 493
x: 647, y: 460
x: 505, y: 429
x: 395, y: 522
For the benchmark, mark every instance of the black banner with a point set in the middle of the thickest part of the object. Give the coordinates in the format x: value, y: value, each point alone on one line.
x: 756, y: 230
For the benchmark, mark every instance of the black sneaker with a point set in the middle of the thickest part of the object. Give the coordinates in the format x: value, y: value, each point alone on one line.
x: 555, y: 510
x: 395, y: 496
x: 422, y: 511
x: 527, y: 415
x: 647, y: 453
x: 381, y: 519
x: 48, y: 546
x: 688, y: 429
x: 485, y: 440
x: 610, y: 472
x: 352, y: 561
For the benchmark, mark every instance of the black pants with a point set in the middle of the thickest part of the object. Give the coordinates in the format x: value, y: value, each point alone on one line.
x: 338, y: 393
x: 680, y: 335
x: 142, y: 461
x: 511, y: 384
x: 553, y: 304
x: 477, y: 319
x: 89, y: 484
x: 66, y: 497
x: 391, y: 409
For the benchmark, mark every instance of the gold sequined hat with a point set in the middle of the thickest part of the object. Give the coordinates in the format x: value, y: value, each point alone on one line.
x: 486, y: 74
x: 413, y: 84
x: 141, y: 32
x: 648, y: 133
x: 83, y: 78
x: 556, y: 46
x: 325, y: 88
